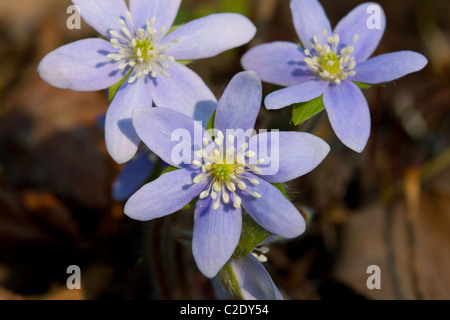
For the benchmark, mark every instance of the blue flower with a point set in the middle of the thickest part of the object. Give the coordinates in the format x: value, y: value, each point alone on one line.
x: 219, y: 177
x: 137, y: 44
x: 134, y: 174
x: 329, y: 64
x: 254, y: 281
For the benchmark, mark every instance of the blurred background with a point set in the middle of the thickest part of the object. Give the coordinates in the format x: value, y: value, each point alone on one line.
x: 389, y: 206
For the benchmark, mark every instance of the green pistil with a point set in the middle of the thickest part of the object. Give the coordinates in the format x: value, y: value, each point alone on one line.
x: 224, y: 171
x: 145, y: 46
x: 330, y: 62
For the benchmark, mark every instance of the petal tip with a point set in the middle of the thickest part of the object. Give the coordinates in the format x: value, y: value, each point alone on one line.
x: 298, y: 227
x: 207, y: 271
x: 270, y: 104
x: 248, y: 26
x: 357, y: 146
x: 422, y: 61
x: 207, y: 266
x: 251, y: 78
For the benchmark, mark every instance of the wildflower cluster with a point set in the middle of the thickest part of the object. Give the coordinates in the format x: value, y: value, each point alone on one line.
x: 232, y: 174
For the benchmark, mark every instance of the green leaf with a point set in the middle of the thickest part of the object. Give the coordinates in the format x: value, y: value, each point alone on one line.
x: 237, y: 6
x: 305, y: 110
x: 211, y: 121
x: 173, y: 28
x: 185, y: 62
x: 362, y: 85
x: 168, y: 169
x: 252, y: 235
x: 113, y: 90
x: 230, y: 281
x: 280, y: 187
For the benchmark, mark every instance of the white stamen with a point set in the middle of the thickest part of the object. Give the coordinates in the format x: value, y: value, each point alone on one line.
x: 113, y: 33
x: 217, y: 187
x: 250, y: 154
x: 263, y: 250
x: 197, y: 163
x: 198, y: 178
x: 224, y: 169
x: 225, y: 197
x: 237, y: 201
x: 261, y: 258
x: 231, y: 186
x: 204, y: 194
x: 198, y: 154
x: 141, y: 49
x: 327, y: 62
x: 241, y: 185
x: 132, y: 79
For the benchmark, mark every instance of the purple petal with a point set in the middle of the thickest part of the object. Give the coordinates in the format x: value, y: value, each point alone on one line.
x: 167, y: 133
x: 121, y: 139
x: 349, y: 114
x: 278, y: 295
x: 164, y: 11
x: 389, y: 66
x: 272, y: 211
x: 100, y: 121
x: 185, y: 92
x: 209, y: 36
x: 255, y: 281
x: 166, y: 195
x: 280, y: 63
x: 309, y: 20
x: 133, y: 175
x: 216, y: 235
x: 303, y: 92
x: 240, y: 103
x: 288, y: 155
x: 219, y: 289
x: 267, y: 240
x: 357, y: 22
x: 102, y: 15
x: 81, y: 66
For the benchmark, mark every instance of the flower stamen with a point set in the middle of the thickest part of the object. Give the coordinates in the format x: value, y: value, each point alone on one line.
x: 327, y: 62
x: 140, y: 49
x: 224, y: 167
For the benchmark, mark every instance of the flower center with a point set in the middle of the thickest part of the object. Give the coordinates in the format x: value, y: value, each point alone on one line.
x: 145, y: 47
x: 330, y: 62
x: 223, y: 171
x: 140, y: 49
x: 327, y: 62
x: 223, y: 168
